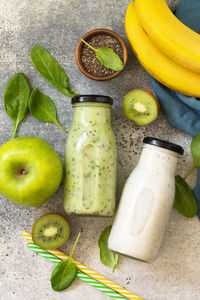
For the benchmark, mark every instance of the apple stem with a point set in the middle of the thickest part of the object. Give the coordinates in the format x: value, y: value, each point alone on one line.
x: 24, y: 172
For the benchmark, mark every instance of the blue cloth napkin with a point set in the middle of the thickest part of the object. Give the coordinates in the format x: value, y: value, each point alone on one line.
x: 181, y: 111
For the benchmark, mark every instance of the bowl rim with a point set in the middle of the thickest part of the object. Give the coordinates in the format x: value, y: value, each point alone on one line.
x: 81, y: 44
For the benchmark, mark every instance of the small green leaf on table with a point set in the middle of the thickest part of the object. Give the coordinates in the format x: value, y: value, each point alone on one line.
x: 195, y: 151
x: 48, y: 67
x: 43, y: 108
x: 108, y: 57
x: 184, y: 200
x: 108, y: 257
x: 65, y: 272
x: 16, y: 97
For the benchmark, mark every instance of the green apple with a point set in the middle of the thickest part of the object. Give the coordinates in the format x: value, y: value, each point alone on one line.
x: 30, y: 171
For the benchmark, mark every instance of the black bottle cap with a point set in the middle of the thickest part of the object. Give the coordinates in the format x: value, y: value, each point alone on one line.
x: 163, y: 144
x: 92, y: 98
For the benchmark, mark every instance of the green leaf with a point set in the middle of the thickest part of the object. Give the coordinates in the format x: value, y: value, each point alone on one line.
x: 65, y: 272
x: 63, y: 275
x: 16, y: 97
x: 184, y: 200
x: 108, y: 257
x: 48, y: 67
x: 109, y: 58
x: 195, y: 151
x: 43, y: 108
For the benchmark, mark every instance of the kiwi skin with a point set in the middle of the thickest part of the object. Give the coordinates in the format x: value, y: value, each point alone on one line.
x: 56, y: 240
x: 128, y: 115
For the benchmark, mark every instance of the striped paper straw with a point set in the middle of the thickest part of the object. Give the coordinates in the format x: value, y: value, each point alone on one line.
x: 90, y: 272
x: 81, y: 275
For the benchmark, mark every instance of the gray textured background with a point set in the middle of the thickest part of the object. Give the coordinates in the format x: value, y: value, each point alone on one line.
x: 57, y: 25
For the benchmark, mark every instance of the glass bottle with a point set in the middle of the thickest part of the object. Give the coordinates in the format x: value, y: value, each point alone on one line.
x: 90, y: 160
x: 146, y: 202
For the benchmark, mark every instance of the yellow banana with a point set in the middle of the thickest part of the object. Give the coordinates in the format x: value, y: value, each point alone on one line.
x: 170, y: 35
x: 159, y: 65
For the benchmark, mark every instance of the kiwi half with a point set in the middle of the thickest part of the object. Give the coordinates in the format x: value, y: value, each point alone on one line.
x: 140, y: 106
x: 50, y: 231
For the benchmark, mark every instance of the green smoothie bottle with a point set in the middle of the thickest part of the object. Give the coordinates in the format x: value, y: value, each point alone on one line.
x: 90, y: 159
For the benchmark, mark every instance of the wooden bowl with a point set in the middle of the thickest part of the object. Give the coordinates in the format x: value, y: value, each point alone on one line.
x: 81, y: 44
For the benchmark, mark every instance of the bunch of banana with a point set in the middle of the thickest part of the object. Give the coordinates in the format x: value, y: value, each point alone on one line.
x: 166, y: 48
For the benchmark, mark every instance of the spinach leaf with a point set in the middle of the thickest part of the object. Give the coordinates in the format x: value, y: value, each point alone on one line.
x: 184, y: 201
x: 107, y: 57
x: 48, y: 67
x: 16, y: 97
x: 63, y: 275
x: 108, y: 257
x: 65, y: 272
x: 195, y: 151
x: 42, y: 108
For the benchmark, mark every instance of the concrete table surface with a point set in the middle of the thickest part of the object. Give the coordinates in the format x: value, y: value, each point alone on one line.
x: 57, y: 25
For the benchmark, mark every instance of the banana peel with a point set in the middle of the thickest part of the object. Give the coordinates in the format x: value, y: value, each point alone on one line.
x: 169, y: 34
x: 155, y: 62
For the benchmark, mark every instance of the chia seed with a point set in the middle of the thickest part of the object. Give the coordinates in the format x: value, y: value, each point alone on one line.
x: 88, y: 56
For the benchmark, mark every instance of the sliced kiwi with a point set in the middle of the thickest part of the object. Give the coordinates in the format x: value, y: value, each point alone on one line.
x: 140, y: 106
x: 50, y: 231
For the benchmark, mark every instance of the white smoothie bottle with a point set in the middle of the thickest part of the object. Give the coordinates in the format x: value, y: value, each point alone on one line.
x: 146, y: 202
